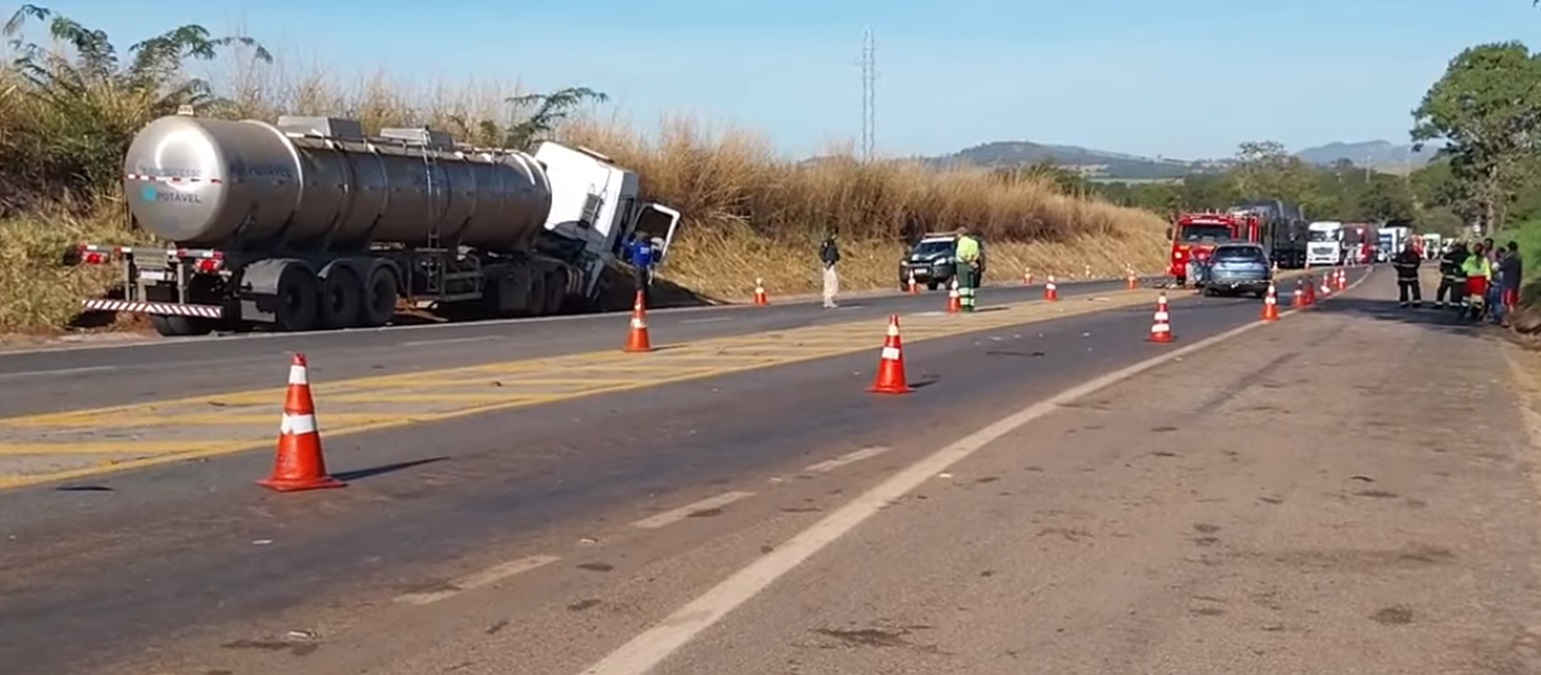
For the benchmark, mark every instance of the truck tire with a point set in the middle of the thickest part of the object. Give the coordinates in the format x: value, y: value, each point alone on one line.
x: 379, y: 298
x: 556, y: 291
x: 181, y: 326
x: 341, y: 298
x: 538, y: 296
x: 298, y: 292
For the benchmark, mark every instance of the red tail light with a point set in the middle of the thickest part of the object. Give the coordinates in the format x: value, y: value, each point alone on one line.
x: 94, y: 258
x: 209, y: 265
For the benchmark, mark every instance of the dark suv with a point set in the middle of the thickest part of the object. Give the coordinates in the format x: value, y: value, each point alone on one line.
x: 932, y: 261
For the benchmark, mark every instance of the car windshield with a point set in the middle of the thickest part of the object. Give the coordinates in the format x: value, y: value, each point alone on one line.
x: 1193, y: 233
x: 1238, y: 254
x: 930, y: 248
x: 1323, y: 236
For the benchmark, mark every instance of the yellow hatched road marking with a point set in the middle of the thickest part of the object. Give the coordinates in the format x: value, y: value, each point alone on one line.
x: 669, y: 364
x: 127, y: 447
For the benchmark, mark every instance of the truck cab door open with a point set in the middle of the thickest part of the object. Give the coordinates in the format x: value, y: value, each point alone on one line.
x: 655, y: 218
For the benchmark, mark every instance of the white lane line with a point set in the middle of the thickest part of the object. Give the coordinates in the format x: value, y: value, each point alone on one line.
x: 450, y: 341
x: 829, y: 465
x: 651, y: 647
x: 718, y: 319
x: 667, y: 518
x: 487, y: 576
x: 62, y: 371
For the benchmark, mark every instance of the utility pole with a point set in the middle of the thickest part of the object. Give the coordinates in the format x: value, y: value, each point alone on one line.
x: 869, y: 77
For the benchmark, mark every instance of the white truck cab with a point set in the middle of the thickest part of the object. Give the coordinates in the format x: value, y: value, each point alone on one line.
x: 1324, y: 243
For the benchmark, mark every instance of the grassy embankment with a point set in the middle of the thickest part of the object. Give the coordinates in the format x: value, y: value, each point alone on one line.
x: 749, y: 212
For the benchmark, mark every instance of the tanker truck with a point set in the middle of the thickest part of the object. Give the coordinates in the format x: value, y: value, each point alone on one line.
x: 310, y: 224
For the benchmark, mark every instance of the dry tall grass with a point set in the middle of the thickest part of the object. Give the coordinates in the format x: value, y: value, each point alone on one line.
x: 748, y: 213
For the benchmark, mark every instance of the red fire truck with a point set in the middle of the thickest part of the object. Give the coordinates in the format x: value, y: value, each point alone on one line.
x: 1196, y: 235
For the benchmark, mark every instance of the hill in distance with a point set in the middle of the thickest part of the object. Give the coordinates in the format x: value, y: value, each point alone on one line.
x: 1104, y: 165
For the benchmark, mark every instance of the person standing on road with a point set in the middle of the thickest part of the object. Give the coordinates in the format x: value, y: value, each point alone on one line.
x: 643, y: 257
x: 1494, y: 255
x: 1478, y: 272
x: 829, y: 254
x: 1449, y: 271
x: 1510, y: 271
x: 966, y: 265
x: 1406, y: 263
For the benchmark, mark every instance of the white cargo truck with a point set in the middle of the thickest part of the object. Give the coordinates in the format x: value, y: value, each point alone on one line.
x: 1324, y: 243
x: 310, y: 224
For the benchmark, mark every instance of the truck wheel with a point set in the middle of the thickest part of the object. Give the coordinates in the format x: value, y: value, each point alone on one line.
x: 538, y: 295
x: 181, y: 326
x: 298, y: 299
x: 379, y: 298
x: 341, y: 298
x: 933, y: 285
x: 556, y: 292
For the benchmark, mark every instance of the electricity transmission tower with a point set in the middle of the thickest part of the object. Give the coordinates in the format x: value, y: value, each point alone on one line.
x: 869, y: 77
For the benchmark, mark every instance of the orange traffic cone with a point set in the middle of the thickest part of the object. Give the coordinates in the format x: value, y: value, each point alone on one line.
x: 1271, y: 304
x: 890, y: 378
x: 1310, y: 291
x: 760, y: 298
x: 299, y: 464
x: 1131, y: 280
x: 1086, y: 271
x: 1342, y: 280
x: 1161, y: 325
x: 1300, y: 295
x: 914, y: 288
x: 1327, y: 284
x: 1050, y: 291
x: 1027, y: 277
x: 637, y: 340
x: 954, y: 300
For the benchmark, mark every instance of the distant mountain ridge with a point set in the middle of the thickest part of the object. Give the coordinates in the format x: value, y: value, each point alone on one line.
x: 1102, y: 164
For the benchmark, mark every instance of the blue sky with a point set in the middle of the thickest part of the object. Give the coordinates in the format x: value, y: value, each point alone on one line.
x: 1180, y: 78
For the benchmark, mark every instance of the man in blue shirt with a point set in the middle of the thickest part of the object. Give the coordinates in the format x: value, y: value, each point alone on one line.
x: 643, y: 256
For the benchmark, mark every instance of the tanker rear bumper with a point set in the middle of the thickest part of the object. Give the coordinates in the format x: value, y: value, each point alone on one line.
x: 156, y: 308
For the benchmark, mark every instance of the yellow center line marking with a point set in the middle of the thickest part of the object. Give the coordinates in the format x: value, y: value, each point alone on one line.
x: 669, y: 364
x: 124, y: 447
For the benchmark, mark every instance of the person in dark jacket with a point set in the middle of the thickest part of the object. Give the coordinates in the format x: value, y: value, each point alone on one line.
x: 1451, y: 282
x: 829, y: 254
x: 643, y: 256
x: 1510, y: 271
x: 1406, y: 264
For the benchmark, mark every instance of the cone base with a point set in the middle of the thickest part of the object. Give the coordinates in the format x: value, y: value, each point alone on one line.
x: 893, y: 389
x: 299, y: 484
x: 637, y: 349
x: 1162, y: 340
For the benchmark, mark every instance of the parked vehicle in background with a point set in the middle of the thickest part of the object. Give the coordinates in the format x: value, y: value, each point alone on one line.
x: 1433, y: 245
x: 1358, y: 243
x: 932, y: 261
x: 1324, y: 245
x: 1238, y: 268
x: 1390, y: 240
x: 309, y: 223
x: 1195, y: 235
x: 1283, y: 230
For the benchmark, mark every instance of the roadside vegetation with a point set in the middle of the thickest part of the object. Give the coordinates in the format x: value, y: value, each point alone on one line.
x: 71, y: 99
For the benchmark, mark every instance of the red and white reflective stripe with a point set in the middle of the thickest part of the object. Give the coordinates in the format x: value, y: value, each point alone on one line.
x: 162, y: 308
x: 171, y: 179
x: 637, y: 323
x: 893, y: 330
x: 890, y: 354
x: 298, y: 375
x: 295, y: 425
x: 1162, y: 316
x: 170, y: 253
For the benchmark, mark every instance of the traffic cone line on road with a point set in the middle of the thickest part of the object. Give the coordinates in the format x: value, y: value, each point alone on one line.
x: 1050, y: 290
x: 298, y: 463
x: 760, y: 297
x: 1161, y: 323
x: 890, y: 376
x: 637, y: 339
x: 954, y: 299
x: 1271, y: 303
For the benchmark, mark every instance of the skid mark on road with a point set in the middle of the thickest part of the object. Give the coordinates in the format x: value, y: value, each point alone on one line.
x: 174, y: 430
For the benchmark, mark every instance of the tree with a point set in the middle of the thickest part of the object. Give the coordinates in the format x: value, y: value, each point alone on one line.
x: 532, y: 117
x: 87, y: 104
x: 1487, y: 107
x: 1265, y: 169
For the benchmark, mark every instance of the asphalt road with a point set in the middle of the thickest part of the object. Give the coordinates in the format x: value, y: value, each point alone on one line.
x: 190, y: 568
x: 33, y: 382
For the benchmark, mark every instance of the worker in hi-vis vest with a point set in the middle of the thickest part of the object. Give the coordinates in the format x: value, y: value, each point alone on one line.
x: 966, y: 266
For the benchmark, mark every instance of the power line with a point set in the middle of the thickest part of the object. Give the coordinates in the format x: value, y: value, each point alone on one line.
x: 868, y: 94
